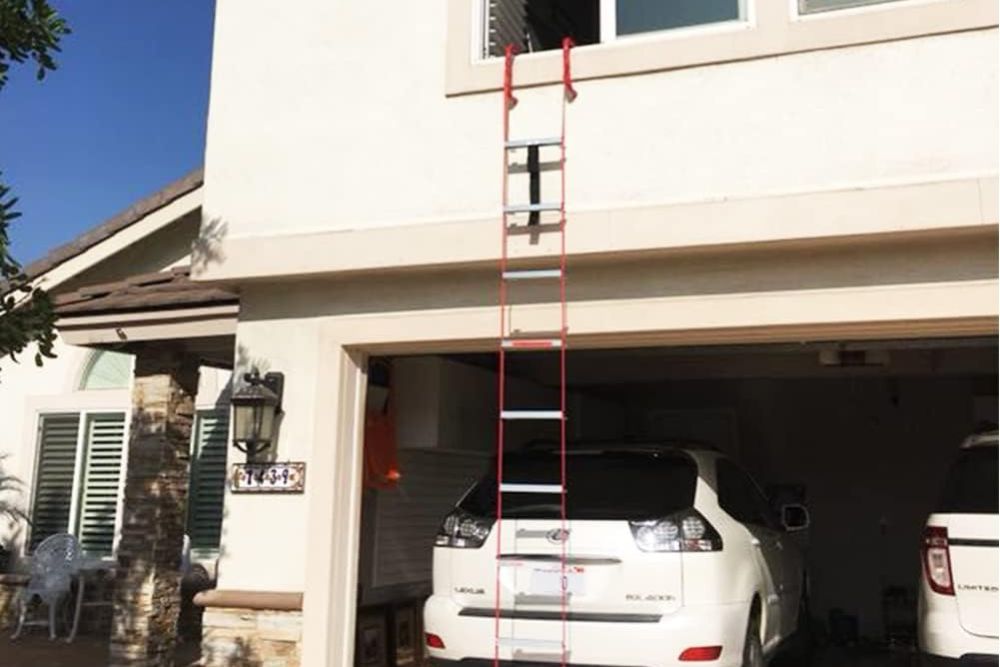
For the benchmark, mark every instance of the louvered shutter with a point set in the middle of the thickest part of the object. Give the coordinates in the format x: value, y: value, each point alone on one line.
x: 102, y: 468
x: 57, y: 437
x: 208, y: 480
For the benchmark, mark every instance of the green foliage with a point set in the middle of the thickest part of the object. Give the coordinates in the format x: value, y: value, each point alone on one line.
x: 29, y: 30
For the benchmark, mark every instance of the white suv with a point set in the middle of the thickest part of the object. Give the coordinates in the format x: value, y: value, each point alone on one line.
x: 958, y: 592
x: 673, y: 556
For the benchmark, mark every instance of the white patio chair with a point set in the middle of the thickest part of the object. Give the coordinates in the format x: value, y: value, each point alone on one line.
x: 53, y: 566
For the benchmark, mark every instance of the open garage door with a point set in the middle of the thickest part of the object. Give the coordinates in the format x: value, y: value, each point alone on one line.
x: 860, y: 433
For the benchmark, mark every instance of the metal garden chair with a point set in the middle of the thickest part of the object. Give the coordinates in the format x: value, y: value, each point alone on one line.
x: 53, y: 567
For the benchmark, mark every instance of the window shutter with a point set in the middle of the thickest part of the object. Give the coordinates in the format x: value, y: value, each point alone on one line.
x: 208, y: 480
x: 54, y: 477
x: 102, y: 468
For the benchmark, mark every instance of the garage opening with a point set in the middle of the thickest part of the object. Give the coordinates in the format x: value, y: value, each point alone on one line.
x: 861, y: 433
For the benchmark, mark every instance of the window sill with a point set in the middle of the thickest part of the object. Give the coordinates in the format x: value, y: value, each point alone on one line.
x: 776, y: 29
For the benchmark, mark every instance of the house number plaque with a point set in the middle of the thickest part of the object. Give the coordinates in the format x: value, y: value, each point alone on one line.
x: 268, y: 478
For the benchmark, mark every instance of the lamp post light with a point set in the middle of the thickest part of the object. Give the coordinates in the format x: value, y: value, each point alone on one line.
x: 255, y: 407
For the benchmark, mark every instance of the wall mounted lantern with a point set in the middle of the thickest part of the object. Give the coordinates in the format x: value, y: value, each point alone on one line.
x: 255, y: 407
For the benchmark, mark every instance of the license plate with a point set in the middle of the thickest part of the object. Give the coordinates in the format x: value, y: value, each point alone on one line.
x: 549, y: 582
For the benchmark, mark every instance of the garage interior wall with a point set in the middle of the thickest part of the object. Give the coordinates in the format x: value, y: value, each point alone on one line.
x: 445, y: 413
x: 869, y: 445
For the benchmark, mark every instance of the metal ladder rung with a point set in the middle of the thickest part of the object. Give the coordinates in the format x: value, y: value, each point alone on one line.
x: 531, y: 414
x: 532, y: 274
x: 514, y: 487
x: 527, y: 143
x: 532, y: 208
x: 515, y: 228
x: 542, y: 644
x: 531, y: 344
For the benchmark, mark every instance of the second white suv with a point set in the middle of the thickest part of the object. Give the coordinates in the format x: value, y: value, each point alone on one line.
x: 673, y: 556
x: 959, y: 621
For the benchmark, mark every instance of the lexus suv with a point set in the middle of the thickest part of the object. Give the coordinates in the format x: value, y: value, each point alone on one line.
x: 672, y: 555
x: 958, y: 590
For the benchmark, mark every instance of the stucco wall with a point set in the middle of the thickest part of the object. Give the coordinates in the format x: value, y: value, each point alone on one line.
x: 310, y: 329
x: 161, y: 250
x: 351, y: 128
x: 293, y: 326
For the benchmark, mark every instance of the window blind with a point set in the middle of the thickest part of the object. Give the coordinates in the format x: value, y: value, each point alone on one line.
x: 53, y: 498
x: 208, y: 479
x: 102, y: 469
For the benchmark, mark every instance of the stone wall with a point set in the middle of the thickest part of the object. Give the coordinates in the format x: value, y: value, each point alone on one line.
x: 148, y: 592
x: 234, y: 637
x: 10, y: 589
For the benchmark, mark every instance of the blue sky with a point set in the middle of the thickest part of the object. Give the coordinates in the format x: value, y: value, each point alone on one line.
x: 122, y: 116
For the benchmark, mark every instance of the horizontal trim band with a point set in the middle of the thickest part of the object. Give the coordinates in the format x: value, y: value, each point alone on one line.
x: 798, y: 218
x: 579, y: 616
x: 258, y: 600
x: 972, y: 542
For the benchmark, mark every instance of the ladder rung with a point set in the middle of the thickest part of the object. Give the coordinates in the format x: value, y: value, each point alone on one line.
x: 542, y: 644
x: 513, y: 487
x: 532, y: 208
x: 526, y: 143
x: 528, y: 228
x: 531, y: 414
x: 532, y: 274
x: 531, y: 343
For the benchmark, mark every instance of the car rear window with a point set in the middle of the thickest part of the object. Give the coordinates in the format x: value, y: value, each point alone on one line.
x: 971, y: 486
x: 602, y: 486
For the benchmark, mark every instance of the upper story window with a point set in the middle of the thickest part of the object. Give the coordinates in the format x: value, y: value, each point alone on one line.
x: 107, y: 370
x: 540, y: 25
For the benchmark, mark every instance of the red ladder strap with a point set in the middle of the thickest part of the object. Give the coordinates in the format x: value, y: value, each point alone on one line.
x: 570, y: 91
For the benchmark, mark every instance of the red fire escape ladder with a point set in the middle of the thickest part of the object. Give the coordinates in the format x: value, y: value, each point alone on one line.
x: 510, y: 342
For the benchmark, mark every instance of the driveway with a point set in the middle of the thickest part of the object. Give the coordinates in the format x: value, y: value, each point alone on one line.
x: 35, y: 650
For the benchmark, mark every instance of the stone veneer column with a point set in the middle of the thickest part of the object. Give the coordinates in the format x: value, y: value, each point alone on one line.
x: 147, y: 591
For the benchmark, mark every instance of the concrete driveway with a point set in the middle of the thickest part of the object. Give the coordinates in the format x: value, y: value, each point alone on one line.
x: 35, y: 650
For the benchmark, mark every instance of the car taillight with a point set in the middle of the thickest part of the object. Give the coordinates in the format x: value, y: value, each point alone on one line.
x: 937, y: 560
x: 461, y: 530
x: 700, y: 653
x: 683, y: 531
x: 433, y: 641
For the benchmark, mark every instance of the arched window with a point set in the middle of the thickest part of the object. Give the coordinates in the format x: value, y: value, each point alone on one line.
x: 107, y: 370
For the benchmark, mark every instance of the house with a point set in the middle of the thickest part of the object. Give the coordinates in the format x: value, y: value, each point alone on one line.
x: 781, y: 238
x: 65, y: 424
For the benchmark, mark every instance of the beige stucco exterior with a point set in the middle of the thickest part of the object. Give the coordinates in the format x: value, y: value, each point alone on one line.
x: 792, y: 179
x: 315, y: 332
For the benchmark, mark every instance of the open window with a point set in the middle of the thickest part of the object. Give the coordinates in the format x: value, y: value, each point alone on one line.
x: 540, y: 25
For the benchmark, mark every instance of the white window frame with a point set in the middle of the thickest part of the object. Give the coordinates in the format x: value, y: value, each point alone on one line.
x: 770, y: 29
x: 608, y: 29
x: 76, y: 492
x: 609, y: 24
x: 795, y: 9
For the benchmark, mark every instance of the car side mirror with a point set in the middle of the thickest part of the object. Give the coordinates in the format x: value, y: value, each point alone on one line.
x: 794, y: 517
